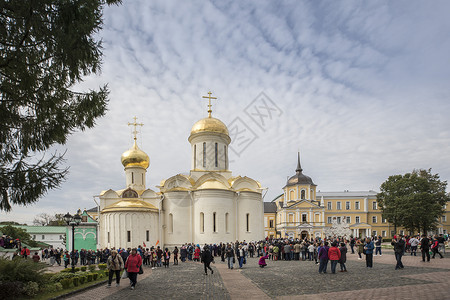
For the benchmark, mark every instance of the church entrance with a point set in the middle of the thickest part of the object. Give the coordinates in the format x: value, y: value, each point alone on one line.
x: 304, y: 235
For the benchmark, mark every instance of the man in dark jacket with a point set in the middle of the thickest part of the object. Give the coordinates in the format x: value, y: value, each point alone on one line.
x: 230, y: 256
x: 206, y: 259
x: 399, y: 249
x: 425, y: 247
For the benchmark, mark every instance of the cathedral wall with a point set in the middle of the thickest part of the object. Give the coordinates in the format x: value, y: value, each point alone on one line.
x: 177, y: 216
x: 128, y: 229
x: 210, y: 153
x: 218, y: 205
x: 250, y: 217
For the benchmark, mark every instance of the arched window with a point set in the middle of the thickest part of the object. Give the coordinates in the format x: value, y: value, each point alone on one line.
x: 248, y: 222
x: 132, y: 177
x: 170, y: 229
x: 204, y: 155
x: 202, y: 222
x: 226, y: 157
x: 291, y: 195
x: 226, y: 222
x: 142, y: 178
x: 195, y: 156
x: 303, y: 194
x: 214, y: 223
x: 216, y: 155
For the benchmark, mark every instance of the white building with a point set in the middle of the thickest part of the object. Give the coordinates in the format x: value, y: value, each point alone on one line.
x: 209, y: 205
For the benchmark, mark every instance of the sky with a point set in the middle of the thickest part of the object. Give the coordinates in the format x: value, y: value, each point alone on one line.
x: 360, y: 88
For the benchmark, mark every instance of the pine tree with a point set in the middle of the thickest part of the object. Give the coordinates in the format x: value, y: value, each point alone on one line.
x: 46, y: 47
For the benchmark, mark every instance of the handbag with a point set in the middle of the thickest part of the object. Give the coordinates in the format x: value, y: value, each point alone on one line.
x: 125, y: 274
x: 141, y: 271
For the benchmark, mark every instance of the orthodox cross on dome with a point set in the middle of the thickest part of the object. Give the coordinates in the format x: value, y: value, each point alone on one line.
x: 209, y: 104
x: 135, y: 124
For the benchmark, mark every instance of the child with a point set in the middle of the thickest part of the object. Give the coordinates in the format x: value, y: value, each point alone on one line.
x: 262, y: 261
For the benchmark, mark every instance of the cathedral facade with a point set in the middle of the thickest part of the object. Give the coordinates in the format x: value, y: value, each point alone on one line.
x: 208, y: 205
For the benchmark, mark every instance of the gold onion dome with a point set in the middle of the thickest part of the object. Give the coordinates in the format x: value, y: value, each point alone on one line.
x: 209, y: 124
x: 135, y: 157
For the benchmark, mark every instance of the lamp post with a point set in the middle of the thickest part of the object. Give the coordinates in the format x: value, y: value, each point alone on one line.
x: 73, y: 221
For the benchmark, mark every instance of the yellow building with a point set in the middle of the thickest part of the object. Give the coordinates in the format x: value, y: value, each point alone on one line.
x: 303, y: 212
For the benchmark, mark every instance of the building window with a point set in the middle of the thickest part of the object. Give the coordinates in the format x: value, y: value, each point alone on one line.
x: 216, y: 156
x: 248, y: 222
x: 374, y: 233
x: 34, y: 237
x: 147, y: 235
x: 357, y: 219
x: 291, y: 195
x: 374, y: 219
x: 303, y: 194
x: 338, y: 219
x: 132, y: 177
x: 204, y: 155
x: 195, y: 156
x: 226, y: 222
x: 357, y: 205
x: 129, y: 236
x: 402, y: 232
x: 338, y: 205
x: 142, y: 178
x: 170, y: 229
x: 271, y: 223
x: 225, y: 154
x: 202, y: 222
x: 383, y: 220
x: 329, y: 220
x: 383, y: 233
x: 374, y: 205
x: 347, y: 205
x: 60, y: 237
x: 43, y: 237
x: 214, y: 223
x: 303, y: 217
x: 109, y: 238
x: 291, y: 218
x: 444, y: 218
x: 329, y: 205
x: 349, y: 220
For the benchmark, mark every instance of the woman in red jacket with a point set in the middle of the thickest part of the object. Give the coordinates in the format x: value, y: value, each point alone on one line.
x: 334, y: 254
x: 133, y: 263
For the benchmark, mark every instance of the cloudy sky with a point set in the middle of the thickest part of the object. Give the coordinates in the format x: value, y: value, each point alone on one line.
x: 360, y: 87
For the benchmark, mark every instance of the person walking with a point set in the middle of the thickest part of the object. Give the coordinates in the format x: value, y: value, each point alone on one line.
x: 115, y: 265
x: 206, y: 259
x: 368, y: 247
x: 133, y: 264
x: 343, y: 258
x: 175, y: 256
x: 414, y: 243
x: 230, y: 256
x: 399, y: 249
x: 334, y: 255
x: 435, y: 247
x: 323, y: 258
x: 425, y: 247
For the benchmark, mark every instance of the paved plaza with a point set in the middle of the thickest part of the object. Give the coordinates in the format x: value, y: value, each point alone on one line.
x: 289, y: 280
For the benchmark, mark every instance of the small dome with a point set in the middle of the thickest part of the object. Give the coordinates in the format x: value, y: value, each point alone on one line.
x: 135, y: 157
x: 209, y: 125
x: 299, y: 178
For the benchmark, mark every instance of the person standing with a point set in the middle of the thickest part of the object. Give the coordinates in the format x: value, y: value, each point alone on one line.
x: 360, y: 245
x: 352, y: 244
x: 425, y: 247
x: 115, y: 265
x: 399, y: 249
x: 166, y: 258
x: 323, y: 258
x: 36, y: 257
x: 414, y: 243
x: 206, y: 259
x: 334, y: 255
x: 133, y: 263
x: 378, y: 246
x: 343, y: 258
x: 175, y: 256
x: 368, y: 247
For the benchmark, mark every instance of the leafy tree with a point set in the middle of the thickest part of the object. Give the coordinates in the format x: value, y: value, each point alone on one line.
x: 46, y: 47
x: 415, y: 200
x: 10, y: 223
x: 45, y: 219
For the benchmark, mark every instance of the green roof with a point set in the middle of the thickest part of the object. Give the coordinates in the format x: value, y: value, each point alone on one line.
x: 43, y: 229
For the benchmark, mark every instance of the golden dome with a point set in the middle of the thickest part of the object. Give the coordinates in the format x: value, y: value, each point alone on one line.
x: 135, y: 157
x: 209, y: 124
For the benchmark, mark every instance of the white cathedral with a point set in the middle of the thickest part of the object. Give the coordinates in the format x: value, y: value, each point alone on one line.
x: 209, y: 205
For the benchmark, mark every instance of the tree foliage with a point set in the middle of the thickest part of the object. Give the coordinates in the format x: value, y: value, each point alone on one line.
x: 46, y: 47
x: 45, y: 219
x: 18, y: 233
x: 415, y: 200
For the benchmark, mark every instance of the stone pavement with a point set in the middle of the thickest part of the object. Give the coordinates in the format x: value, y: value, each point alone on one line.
x: 289, y: 280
